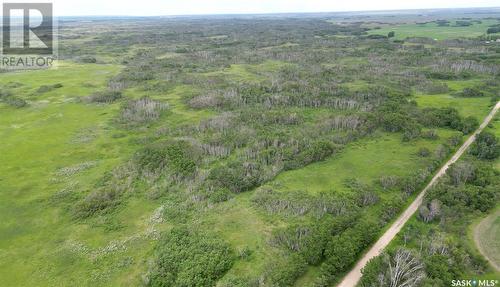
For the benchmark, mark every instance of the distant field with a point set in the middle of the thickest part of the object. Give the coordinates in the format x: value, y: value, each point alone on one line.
x: 432, y: 30
x: 477, y: 107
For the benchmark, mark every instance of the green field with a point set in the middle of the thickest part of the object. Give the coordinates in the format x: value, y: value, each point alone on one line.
x: 38, y: 143
x: 367, y: 161
x: 486, y: 234
x: 432, y: 30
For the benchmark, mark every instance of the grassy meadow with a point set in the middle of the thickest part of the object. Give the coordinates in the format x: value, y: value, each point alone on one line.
x: 434, y: 31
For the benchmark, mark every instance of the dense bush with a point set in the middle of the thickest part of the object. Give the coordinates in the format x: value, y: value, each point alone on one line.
x: 7, y: 98
x: 176, y: 158
x: 283, y: 272
x: 318, y: 151
x: 469, y: 125
x: 402, y: 268
x: 471, y: 92
x: 236, y: 176
x: 137, y: 112
x: 87, y: 59
x: 493, y: 30
x: 14, y: 102
x: 47, y: 88
x: 97, y: 201
x: 186, y: 258
x: 486, y: 146
x: 343, y: 250
x: 106, y: 97
x: 298, y: 203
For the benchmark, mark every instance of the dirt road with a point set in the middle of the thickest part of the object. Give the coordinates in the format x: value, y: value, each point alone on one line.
x: 355, y: 275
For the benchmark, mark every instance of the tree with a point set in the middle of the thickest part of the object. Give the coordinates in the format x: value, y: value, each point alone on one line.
x: 493, y: 30
x: 391, y: 34
x: 424, y: 152
x: 187, y: 258
x: 428, y: 212
x: 405, y: 270
x: 462, y: 172
x: 402, y: 269
x: 469, y: 124
x: 472, y: 92
x: 486, y: 146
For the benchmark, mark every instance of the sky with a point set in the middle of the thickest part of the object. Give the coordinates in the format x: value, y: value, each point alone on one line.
x: 196, y: 7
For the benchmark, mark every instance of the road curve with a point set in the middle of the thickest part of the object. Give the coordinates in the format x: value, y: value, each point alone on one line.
x: 354, y: 275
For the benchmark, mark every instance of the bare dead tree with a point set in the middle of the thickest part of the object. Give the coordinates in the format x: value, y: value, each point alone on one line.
x: 405, y: 270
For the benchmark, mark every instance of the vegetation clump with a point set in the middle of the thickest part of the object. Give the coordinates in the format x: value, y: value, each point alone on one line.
x: 106, y: 97
x: 142, y: 111
x: 7, y: 98
x: 47, y: 88
x: 188, y: 258
x: 486, y: 146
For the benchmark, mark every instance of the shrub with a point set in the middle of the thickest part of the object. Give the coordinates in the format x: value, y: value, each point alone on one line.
x: 443, y: 23
x: 376, y: 36
x: 236, y: 176
x: 343, y: 250
x: 430, y: 135
x: 486, y: 146
x: 493, y: 30
x: 411, y: 132
x: 188, y: 258
x: 424, y: 152
x: 435, y: 88
x: 403, y: 268
x: 47, y: 88
x: 141, y: 111
x: 318, y: 151
x: 175, y: 158
x: 462, y: 23
x: 7, y: 98
x: 219, y: 195
x: 469, y: 125
x: 95, y: 202
x: 308, y: 241
x: 388, y: 182
x: 461, y: 172
x: 106, y: 97
x: 15, y: 102
x: 297, y: 203
x: 87, y: 59
x: 471, y: 93
x: 283, y: 272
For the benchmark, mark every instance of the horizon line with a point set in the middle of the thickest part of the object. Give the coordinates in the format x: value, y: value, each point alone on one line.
x: 283, y: 13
